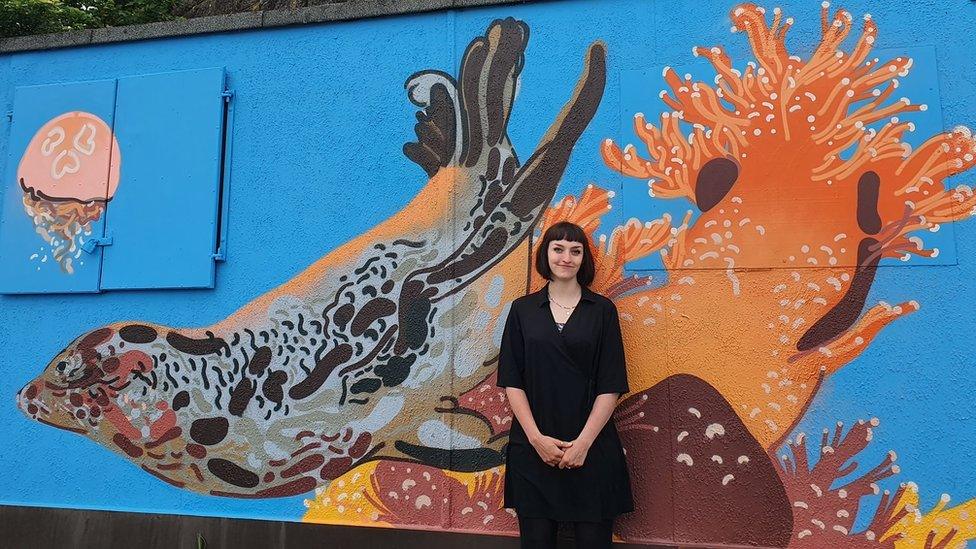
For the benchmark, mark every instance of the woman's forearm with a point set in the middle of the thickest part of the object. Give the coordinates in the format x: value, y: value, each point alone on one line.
x: 519, y: 403
x: 603, y: 408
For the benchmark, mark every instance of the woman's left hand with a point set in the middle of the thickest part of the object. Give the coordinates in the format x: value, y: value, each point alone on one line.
x: 575, y: 455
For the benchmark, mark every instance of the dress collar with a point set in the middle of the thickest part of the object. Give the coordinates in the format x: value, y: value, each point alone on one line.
x: 542, y: 296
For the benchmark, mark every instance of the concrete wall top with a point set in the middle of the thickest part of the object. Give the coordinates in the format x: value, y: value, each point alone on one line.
x: 342, y: 11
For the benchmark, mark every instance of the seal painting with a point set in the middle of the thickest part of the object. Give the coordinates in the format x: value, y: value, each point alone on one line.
x: 344, y: 364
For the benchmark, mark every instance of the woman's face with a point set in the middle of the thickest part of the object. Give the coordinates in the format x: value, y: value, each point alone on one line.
x: 565, y: 258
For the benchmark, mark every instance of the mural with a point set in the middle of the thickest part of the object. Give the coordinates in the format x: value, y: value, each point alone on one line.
x: 317, y: 376
x: 68, y: 173
x: 368, y: 382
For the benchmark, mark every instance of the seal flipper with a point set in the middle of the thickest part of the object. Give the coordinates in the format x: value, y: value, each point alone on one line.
x: 462, y: 442
x: 463, y: 460
x: 464, y: 439
x: 536, y: 181
x: 461, y: 126
x: 438, y: 129
x: 498, y: 200
x: 489, y: 77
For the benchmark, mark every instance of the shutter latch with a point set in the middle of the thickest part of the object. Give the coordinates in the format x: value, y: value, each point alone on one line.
x: 89, y: 245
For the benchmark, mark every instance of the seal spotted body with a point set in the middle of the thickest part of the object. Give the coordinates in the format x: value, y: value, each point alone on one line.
x: 340, y: 365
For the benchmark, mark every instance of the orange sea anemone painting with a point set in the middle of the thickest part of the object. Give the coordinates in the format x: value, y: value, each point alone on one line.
x: 804, y: 183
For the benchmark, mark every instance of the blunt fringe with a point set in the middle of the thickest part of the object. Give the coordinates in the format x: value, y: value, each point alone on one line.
x: 571, y: 232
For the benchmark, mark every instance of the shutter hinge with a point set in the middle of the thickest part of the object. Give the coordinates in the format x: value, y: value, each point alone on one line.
x: 10, y: 116
x: 219, y: 256
x: 89, y: 245
x: 227, y: 95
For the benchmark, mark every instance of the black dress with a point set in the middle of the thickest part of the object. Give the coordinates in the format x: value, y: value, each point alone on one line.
x: 561, y: 373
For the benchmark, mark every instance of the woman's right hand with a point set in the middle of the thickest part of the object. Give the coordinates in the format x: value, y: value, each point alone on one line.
x: 550, y: 449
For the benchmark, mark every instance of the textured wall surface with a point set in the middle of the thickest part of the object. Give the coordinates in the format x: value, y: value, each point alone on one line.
x: 788, y: 244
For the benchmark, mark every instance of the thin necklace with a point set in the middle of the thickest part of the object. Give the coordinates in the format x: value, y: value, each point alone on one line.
x: 558, y: 304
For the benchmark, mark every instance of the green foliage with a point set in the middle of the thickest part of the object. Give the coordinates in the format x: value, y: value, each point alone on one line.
x: 23, y: 17
x: 20, y: 17
x: 113, y: 13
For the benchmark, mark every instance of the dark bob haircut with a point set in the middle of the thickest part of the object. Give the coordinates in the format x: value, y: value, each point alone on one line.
x: 564, y: 230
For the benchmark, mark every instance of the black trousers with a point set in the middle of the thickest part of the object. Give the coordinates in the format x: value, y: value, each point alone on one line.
x: 540, y: 533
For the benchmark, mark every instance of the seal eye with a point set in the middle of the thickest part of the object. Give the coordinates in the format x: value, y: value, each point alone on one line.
x: 72, y: 369
x: 714, y: 181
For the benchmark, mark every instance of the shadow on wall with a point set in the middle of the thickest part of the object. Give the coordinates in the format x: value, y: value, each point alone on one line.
x: 341, y: 381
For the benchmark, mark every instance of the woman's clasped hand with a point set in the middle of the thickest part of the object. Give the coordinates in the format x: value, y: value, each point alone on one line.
x: 551, y: 450
x: 558, y: 453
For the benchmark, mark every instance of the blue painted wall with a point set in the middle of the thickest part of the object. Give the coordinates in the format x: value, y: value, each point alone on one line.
x: 321, y: 115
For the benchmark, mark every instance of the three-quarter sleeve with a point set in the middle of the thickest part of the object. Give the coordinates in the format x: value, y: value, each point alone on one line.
x: 611, y: 375
x: 511, y: 357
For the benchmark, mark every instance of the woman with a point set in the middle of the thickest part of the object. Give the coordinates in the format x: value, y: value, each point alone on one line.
x: 562, y: 364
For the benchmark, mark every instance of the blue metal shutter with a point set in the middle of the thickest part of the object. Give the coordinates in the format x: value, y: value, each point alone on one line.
x: 163, y: 218
x: 30, y: 263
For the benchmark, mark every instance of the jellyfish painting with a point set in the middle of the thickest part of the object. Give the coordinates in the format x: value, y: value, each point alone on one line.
x: 69, y: 172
